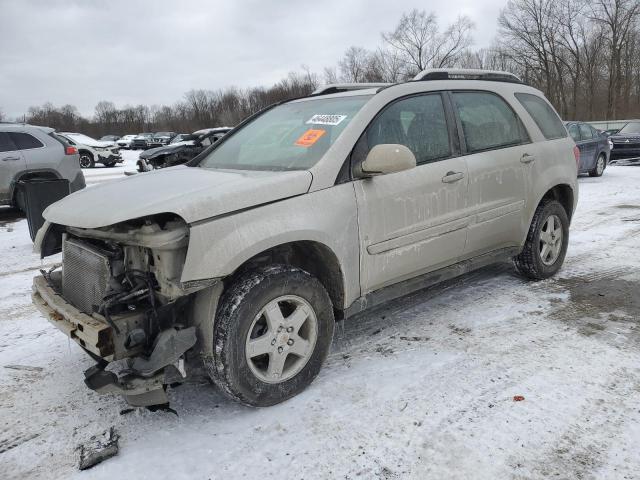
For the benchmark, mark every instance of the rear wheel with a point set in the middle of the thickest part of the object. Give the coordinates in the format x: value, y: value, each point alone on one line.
x: 546, y: 245
x: 272, y: 333
x: 601, y: 164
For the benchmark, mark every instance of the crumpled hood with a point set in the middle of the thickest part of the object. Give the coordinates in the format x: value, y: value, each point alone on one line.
x: 165, y: 150
x: 193, y: 193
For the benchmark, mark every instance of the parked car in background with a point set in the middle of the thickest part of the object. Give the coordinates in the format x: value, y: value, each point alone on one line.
x: 161, y: 138
x: 239, y: 263
x: 93, y: 151
x: 125, y: 141
x: 141, y: 141
x: 29, y: 152
x: 626, y: 143
x: 109, y: 138
x: 594, y: 147
x: 180, y: 152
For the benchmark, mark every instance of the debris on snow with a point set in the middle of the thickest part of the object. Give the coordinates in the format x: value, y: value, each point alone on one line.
x: 518, y: 398
x: 98, y: 449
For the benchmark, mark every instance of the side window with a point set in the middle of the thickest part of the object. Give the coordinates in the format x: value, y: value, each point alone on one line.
x: 585, y: 131
x: 418, y: 123
x: 6, y: 145
x: 545, y: 117
x: 24, y: 141
x: 488, y: 122
x: 574, y: 131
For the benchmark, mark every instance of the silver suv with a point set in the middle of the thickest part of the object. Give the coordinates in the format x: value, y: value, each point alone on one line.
x: 27, y: 153
x: 311, y: 211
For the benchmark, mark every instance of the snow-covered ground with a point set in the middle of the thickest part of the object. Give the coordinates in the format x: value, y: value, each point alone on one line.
x: 421, y: 388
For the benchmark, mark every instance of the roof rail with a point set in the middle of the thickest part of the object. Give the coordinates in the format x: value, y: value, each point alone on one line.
x: 346, y: 87
x: 466, y: 74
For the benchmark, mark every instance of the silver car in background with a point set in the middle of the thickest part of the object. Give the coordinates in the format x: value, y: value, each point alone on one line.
x: 29, y: 152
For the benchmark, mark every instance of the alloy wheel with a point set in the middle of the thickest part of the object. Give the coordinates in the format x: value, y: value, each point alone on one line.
x: 550, y: 240
x: 281, y: 339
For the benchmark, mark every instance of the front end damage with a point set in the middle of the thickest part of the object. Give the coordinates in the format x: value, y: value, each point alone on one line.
x: 118, y: 295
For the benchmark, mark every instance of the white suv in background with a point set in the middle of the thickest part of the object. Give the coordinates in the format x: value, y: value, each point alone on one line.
x: 125, y: 142
x: 93, y: 151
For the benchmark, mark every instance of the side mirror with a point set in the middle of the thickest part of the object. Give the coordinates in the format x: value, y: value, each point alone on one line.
x: 388, y: 158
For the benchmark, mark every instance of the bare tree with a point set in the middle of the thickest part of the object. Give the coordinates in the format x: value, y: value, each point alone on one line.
x: 418, y: 40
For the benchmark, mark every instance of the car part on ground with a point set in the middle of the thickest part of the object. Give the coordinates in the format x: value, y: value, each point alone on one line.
x: 239, y: 262
x: 93, y: 151
x: 29, y: 153
x: 179, y: 153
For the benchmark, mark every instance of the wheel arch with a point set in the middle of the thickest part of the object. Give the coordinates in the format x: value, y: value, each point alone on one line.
x: 311, y: 256
x: 564, y: 194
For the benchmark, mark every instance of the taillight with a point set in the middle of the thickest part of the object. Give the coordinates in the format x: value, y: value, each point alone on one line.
x: 576, y: 153
x: 70, y: 150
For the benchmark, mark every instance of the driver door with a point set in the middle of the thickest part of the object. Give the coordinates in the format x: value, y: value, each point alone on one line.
x: 414, y: 221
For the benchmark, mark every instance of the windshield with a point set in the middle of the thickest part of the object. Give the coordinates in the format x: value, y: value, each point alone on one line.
x: 630, y: 128
x: 80, y: 138
x: 293, y: 136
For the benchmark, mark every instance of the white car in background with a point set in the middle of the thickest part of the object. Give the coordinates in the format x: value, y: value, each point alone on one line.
x: 93, y: 151
x: 125, y: 142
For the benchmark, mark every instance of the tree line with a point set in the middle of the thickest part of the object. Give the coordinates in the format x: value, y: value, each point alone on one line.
x: 583, y: 54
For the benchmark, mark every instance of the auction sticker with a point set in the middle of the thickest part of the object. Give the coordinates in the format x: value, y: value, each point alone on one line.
x: 326, y: 119
x: 310, y: 137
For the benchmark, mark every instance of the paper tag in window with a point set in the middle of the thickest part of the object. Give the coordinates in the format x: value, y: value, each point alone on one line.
x: 310, y: 137
x: 326, y: 119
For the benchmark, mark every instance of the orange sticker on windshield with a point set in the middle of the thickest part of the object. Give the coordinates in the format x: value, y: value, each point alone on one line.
x: 310, y: 137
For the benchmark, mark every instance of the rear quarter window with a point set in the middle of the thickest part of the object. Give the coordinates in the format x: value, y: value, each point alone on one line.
x: 24, y: 141
x: 6, y: 145
x: 545, y: 117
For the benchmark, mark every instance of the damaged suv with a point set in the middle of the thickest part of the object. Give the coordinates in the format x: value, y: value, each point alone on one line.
x: 310, y: 211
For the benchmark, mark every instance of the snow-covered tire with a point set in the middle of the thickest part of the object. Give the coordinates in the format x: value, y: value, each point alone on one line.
x: 240, y: 316
x: 530, y: 262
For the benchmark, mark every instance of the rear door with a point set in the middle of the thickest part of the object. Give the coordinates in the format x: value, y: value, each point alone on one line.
x: 588, y: 146
x: 498, y: 150
x: 12, y: 162
x: 413, y: 221
x: 34, y: 151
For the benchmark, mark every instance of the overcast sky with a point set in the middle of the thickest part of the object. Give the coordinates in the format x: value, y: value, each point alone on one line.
x: 152, y: 52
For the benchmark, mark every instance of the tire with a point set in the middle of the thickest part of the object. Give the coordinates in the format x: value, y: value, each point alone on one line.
x: 601, y: 164
x: 530, y: 262
x: 86, y: 160
x: 240, y: 319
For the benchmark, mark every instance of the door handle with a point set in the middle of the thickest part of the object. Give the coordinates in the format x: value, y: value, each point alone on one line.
x: 526, y: 158
x: 10, y: 159
x: 452, y: 177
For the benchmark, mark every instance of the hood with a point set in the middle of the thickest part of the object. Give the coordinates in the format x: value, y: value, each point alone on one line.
x: 193, y: 193
x: 96, y: 143
x: 623, y: 136
x: 166, y: 150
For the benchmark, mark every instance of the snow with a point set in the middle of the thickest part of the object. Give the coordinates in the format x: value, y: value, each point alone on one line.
x: 420, y: 388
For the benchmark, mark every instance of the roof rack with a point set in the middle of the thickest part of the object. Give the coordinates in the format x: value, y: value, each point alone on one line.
x: 466, y: 74
x: 346, y: 87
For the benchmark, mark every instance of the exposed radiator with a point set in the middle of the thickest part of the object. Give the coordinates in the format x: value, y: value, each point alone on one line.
x: 85, y: 275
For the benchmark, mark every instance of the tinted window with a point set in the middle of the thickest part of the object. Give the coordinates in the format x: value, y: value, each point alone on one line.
x: 417, y: 122
x: 585, y: 131
x: 574, y: 131
x: 6, y: 145
x: 488, y: 121
x: 25, y: 141
x: 545, y: 117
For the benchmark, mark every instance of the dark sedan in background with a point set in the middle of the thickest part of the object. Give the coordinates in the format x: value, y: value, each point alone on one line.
x: 626, y: 143
x: 594, y: 148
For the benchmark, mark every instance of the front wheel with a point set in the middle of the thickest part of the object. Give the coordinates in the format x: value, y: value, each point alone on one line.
x: 601, y: 164
x: 86, y: 160
x: 547, y: 241
x: 272, y: 333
